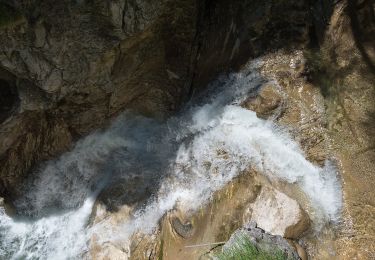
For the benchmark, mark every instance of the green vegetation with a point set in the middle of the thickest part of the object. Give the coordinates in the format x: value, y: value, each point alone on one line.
x: 8, y: 15
x: 245, y: 250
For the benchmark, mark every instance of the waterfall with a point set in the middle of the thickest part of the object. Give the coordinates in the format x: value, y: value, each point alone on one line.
x: 183, y: 160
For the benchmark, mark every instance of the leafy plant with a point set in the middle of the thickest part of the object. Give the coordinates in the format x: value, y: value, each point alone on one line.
x: 244, y: 249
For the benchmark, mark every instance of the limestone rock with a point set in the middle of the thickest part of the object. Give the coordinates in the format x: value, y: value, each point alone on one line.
x: 108, y: 251
x: 278, y: 214
x: 266, y: 102
x: 303, y: 107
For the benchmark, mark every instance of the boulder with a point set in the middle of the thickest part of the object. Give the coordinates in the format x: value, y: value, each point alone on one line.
x: 266, y: 102
x: 279, y: 214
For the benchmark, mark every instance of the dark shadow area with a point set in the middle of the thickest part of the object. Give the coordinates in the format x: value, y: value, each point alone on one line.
x: 321, y: 12
x: 8, y: 13
x: 362, y: 21
x: 369, y: 126
x: 324, y: 71
x: 229, y: 33
x: 9, y: 99
x: 323, y: 68
x: 124, y: 163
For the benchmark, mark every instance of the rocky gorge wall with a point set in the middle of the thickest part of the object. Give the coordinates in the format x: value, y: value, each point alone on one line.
x: 77, y: 64
x: 69, y: 67
x: 347, y: 58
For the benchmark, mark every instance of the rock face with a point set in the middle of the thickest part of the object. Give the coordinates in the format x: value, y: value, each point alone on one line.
x: 233, y: 31
x: 180, y: 229
x: 344, y: 68
x: 302, y: 109
x: 278, y: 214
x: 68, y: 67
x: 267, y: 101
x: 262, y: 240
x: 74, y: 65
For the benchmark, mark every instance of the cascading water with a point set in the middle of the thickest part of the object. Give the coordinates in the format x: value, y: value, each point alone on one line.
x: 183, y: 160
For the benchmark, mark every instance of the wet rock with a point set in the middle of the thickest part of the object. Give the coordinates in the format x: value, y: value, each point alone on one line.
x: 106, y: 251
x: 279, y: 214
x: 262, y: 240
x: 266, y: 102
x: 9, y: 209
x: 303, y: 107
x: 183, y: 229
x: 214, y: 222
x: 41, y: 138
x: 129, y: 191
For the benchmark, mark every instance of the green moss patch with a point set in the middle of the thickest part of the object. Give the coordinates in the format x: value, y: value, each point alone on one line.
x: 243, y: 249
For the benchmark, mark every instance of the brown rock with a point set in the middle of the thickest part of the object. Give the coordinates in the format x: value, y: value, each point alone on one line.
x: 301, y: 251
x: 107, y: 251
x: 268, y: 99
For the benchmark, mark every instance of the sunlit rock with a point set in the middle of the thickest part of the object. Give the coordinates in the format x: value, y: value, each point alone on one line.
x: 106, y: 251
x: 279, y: 214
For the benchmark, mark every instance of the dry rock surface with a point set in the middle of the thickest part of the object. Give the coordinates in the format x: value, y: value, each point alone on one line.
x: 278, y: 214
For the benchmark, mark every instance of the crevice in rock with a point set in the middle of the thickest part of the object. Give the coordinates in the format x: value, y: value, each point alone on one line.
x: 321, y: 12
x: 9, y: 98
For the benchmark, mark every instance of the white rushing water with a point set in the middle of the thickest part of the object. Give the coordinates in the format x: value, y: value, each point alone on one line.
x: 181, y: 161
